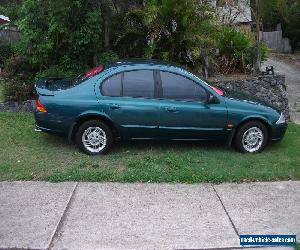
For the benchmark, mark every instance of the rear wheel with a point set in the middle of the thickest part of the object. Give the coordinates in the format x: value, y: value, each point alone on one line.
x: 252, y: 137
x: 94, y: 137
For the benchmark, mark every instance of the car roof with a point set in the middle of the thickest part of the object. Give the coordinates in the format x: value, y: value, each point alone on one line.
x: 134, y: 62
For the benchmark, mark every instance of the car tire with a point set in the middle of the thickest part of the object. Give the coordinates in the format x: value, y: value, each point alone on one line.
x: 251, y: 137
x: 94, y: 137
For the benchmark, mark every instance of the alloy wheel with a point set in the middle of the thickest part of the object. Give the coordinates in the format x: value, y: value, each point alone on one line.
x: 252, y: 139
x: 94, y: 139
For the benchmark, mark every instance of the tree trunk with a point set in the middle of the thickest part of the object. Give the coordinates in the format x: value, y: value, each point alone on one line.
x: 105, y: 10
x: 257, y: 65
x: 106, y: 33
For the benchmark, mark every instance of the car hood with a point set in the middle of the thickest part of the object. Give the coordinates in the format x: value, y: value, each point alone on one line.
x: 247, y: 98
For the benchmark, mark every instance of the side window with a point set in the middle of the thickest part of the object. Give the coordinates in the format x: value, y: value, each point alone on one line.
x: 138, y: 83
x: 112, y: 86
x: 181, y: 88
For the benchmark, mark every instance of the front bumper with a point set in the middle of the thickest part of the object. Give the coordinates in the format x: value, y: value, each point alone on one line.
x: 278, y: 131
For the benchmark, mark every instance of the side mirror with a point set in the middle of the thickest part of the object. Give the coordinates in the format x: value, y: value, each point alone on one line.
x: 212, y: 99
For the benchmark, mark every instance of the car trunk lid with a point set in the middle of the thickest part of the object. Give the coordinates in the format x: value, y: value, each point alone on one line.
x: 48, y: 86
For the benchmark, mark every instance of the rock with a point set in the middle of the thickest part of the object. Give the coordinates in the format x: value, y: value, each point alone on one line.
x: 26, y: 106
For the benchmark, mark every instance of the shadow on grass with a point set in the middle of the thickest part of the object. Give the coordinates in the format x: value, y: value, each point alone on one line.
x: 120, y: 146
x: 165, y: 145
x: 140, y: 145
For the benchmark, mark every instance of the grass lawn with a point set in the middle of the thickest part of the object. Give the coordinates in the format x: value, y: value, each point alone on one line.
x: 27, y: 155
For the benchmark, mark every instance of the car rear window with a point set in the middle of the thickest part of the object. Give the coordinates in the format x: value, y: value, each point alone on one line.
x: 112, y: 86
x: 136, y: 83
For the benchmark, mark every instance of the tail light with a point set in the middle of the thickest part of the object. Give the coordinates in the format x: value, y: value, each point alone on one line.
x: 39, y: 106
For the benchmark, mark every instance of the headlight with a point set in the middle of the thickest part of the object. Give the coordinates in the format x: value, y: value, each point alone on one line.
x: 281, y: 119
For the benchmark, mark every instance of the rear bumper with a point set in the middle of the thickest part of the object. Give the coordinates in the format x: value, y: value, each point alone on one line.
x: 47, y: 130
x: 278, y: 131
x: 45, y: 122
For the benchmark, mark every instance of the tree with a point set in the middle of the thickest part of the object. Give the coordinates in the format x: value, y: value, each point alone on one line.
x: 60, y: 33
x: 180, y: 31
x: 256, y: 7
x: 291, y: 23
x: 256, y: 10
x: 11, y: 10
x: 285, y: 12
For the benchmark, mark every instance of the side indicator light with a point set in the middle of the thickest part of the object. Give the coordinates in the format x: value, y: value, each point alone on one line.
x: 39, y: 106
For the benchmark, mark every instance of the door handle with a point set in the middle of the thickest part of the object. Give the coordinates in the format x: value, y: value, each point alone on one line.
x: 172, y: 109
x: 114, y: 106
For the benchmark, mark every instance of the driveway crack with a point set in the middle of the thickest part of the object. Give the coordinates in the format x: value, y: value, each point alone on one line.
x: 231, y: 221
x: 63, y: 217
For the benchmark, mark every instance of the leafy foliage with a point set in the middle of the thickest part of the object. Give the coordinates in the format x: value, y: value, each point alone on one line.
x: 292, y: 24
x: 130, y: 33
x: 64, y: 34
x: 66, y: 37
x: 12, y: 10
x: 180, y: 31
x: 6, y: 52
x: 286, y: 12
x: 271, y: 12
x: 17, y: 90
x: 18, y: 79
x: 237, y: 51
x: 108, y: 57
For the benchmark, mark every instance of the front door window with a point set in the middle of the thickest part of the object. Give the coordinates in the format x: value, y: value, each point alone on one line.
x: 178, y: 87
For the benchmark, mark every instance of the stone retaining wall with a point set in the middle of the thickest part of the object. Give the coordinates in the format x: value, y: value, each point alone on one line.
x: 26, y: 106
x: 269, y: 88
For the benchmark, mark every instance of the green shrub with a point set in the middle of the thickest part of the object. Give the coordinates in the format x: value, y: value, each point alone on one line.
x: 17, y: 90
x: 250, y: 54
x: 60, y: 71
x: 18, y: 80
x: 233, y: 43
x: 237, y: 51
x: 5, y: 52
x: 172, y: 30
x: 108, y: 57
x: 69, y: 69
x: 60, y: 33
x: 291, y: 25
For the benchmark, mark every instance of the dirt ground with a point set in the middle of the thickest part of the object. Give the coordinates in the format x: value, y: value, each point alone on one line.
x: 288, y: 65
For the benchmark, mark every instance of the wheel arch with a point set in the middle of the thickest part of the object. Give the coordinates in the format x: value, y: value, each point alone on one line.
x: 250, y: 119
x: 92, y: 116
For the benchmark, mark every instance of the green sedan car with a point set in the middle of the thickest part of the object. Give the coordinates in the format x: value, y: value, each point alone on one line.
x: 149, y: 100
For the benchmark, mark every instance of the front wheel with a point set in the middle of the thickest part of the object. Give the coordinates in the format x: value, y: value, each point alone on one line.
x: 94, y: 137
x: 252, y: 137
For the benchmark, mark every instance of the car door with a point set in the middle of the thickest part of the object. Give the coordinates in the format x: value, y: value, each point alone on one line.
x: 185, y: 112
x: 130, y: 103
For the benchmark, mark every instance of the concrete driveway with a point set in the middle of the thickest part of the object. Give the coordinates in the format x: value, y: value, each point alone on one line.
x: 41, y: 215
x: 288, y: 65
